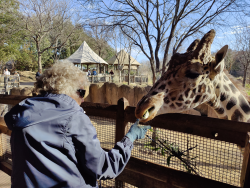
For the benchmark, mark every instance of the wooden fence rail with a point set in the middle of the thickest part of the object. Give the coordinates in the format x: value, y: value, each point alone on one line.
x: 142, y: 173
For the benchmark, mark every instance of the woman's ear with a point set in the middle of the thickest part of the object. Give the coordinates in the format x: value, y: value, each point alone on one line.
x: 219, y: 59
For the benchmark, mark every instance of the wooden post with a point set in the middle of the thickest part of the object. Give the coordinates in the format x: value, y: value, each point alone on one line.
x: 92, y: 78
x: 121, y: 125
x: 141, y: 80
x: 1, y: 148
x: 120, y: 119
x: 245, y: 172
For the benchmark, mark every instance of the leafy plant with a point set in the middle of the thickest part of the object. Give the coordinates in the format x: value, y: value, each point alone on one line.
x: 171, y: 150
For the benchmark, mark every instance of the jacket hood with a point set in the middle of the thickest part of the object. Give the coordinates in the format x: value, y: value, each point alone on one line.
x: 38, y: 109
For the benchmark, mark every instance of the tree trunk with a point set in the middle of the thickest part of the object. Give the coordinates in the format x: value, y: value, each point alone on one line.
x: 129, y: 63
x: 39, y: 61
x: 120, y: 76
x: 244, y: 76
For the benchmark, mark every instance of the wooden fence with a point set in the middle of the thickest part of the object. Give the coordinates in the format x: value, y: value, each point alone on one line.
x: 143, y: 173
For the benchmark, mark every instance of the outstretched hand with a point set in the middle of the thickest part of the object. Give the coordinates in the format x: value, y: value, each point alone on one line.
x: 137, y: 132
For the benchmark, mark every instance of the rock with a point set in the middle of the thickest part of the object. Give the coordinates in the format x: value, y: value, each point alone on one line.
x: 15, y: 91
x: 27, y: 91
x: 97, y: 93
x: 127, y: 92
x: 111, y: 93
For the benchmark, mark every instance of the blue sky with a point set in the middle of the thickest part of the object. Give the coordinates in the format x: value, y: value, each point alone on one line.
x: 224, y: 35
x: 222, y: 38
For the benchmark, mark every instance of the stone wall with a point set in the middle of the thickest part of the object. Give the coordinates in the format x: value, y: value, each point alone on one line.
x: 111, y: 92
x: 101, y: 93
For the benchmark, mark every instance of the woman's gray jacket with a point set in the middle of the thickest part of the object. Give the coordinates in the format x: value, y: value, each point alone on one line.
x: 54, y: 144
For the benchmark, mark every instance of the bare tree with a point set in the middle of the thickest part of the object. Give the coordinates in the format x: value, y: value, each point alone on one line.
x: 230, y: 59
x: 243, y: 47
x: 156, y: 22
x: 124, y: 45
x: 47, y: 23
x: 101, y: 34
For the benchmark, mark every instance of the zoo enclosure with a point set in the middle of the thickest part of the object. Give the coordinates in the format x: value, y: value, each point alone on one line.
x: 218, y: 140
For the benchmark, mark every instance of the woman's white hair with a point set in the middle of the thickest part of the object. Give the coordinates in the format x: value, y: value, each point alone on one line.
x: 62, y: 78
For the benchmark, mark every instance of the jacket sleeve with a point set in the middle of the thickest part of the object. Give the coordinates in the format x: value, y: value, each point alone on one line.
x: 93, y: 161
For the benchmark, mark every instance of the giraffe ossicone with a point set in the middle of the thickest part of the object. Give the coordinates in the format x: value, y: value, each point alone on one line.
x: 194, y: 78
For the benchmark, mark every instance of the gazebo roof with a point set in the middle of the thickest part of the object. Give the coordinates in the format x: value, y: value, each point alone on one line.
x: 85, y: 55
x: 123, y: 58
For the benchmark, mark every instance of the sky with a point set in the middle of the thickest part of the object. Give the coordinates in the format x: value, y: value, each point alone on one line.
x: 224, y: 36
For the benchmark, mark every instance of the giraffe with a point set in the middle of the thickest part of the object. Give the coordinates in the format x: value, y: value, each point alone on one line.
x: 194, y: 78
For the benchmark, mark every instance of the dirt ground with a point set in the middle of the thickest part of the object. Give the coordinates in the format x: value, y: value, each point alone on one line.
x: 27, y: 78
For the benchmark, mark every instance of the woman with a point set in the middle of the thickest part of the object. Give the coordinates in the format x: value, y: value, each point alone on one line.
x: 53, y: 142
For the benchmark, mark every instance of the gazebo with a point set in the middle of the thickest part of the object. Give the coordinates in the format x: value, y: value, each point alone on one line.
x: 122, y: 58
x: 85, y: 55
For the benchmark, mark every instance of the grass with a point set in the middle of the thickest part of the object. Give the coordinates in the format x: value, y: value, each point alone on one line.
x: 248, y: 88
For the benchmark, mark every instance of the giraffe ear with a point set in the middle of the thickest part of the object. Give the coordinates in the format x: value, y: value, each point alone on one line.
x: 219, y: 57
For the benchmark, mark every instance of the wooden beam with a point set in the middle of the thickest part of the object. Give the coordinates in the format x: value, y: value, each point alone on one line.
x: 219, y: 129
x: 12, y: 99
x: 99, y: 109
x: 121, y: 123
x: 5, y: 167
x: 145, y: 174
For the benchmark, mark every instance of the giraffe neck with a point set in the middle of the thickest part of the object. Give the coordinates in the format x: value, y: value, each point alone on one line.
x: 228, y: 102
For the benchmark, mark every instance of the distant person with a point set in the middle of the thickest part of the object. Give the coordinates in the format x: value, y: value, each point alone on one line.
x: 89, y: 72
x: 16, y: 73
x: 16, y: 79
x: 111, y: 72
x: 94, y: 72
x: 38, y: 74
x: 6, y: 72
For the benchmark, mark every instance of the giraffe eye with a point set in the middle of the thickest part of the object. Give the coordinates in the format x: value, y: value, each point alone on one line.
x: 192, y: 75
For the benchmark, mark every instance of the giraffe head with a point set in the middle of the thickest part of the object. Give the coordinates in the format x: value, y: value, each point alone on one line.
x: 187, y: 83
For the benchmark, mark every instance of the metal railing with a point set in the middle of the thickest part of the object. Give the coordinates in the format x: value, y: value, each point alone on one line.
x: 143, y: 79
x: 7, y: 82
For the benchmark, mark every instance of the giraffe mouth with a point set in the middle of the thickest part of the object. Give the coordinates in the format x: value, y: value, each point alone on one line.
x: 147, y: 113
